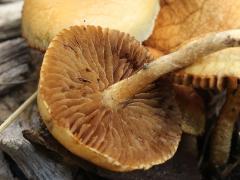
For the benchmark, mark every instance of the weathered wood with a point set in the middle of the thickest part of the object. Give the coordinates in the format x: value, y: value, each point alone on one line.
x: 14, y: 59
x: 5, y: 172
x: 10, y: 19
x: 33, y: 163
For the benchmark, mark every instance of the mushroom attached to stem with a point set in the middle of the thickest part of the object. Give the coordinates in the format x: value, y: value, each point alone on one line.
x: 81, y: 110
x: 99, y: 97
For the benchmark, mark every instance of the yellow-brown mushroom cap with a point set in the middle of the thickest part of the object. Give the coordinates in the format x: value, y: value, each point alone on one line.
x: 216, y: 71
x: 79, y: 65
x: 43, y: 19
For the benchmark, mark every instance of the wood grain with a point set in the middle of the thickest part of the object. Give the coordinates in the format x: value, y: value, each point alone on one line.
x: 32, y: 162
x: 14, y: 60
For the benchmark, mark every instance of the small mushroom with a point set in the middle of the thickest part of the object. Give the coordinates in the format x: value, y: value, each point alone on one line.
x: 99, y: 97
x: 43, y: 19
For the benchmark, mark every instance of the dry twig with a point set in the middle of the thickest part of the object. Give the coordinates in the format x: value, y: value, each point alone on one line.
x: 14, y: 115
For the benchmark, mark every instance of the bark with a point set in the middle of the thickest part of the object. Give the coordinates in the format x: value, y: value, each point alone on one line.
x: 30, y: 160
x: 14, y: 59
x: 10, y: 19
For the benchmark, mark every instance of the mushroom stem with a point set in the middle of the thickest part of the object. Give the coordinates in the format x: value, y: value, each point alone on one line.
x: 222, y: 135
x: 183, y: 57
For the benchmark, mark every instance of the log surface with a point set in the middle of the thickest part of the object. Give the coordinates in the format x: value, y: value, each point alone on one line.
x: 14, y: 60
x: 32, y: 162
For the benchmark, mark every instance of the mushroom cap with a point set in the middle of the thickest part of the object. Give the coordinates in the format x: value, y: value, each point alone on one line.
x: 43, y: 19
x: 181, y: 20
x: 215, y: 71
x: 78, y: 66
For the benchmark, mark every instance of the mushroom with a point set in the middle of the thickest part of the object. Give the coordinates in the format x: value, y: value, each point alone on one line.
x: 100, y: 98
x: 43, y: 19
x: 218, y: 70
x: 179, y: 22
x: 123, y: 132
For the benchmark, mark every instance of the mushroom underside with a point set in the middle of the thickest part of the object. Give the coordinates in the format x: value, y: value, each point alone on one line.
x: 212, y: 71
x: 137, y: 133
